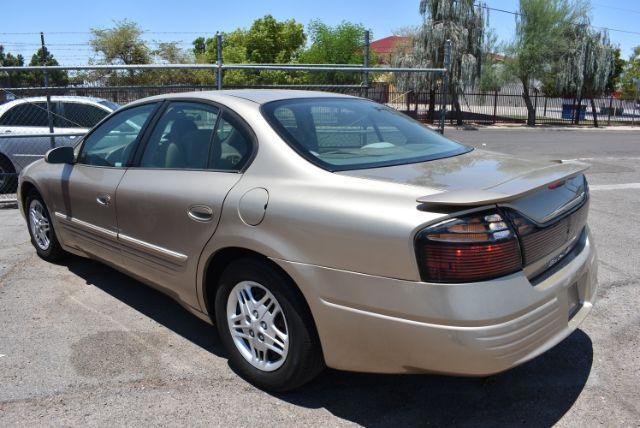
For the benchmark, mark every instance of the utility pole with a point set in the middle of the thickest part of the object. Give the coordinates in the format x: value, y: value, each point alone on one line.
x: 52, y: 140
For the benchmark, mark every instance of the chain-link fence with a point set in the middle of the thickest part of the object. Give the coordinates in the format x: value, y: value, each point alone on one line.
x: 34, y: 120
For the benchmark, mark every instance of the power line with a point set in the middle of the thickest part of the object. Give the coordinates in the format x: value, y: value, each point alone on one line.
x: 30, y: 33
x: 153, y: 42
x: 592, y: 26
x: 616, y: 8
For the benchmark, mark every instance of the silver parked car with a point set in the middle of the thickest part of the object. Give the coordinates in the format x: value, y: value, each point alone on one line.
x: 316, y: 229
x: 70, y: 114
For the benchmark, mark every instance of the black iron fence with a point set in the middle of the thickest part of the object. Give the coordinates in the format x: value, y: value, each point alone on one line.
x: 488, y: 108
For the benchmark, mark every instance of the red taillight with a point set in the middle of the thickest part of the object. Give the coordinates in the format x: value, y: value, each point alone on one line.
x: 471, y: 248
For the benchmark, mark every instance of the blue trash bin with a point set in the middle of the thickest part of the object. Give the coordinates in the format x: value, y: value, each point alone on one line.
x: 568, y: 111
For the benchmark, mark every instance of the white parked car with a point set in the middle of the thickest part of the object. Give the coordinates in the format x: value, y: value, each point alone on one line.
x: 28, y: 116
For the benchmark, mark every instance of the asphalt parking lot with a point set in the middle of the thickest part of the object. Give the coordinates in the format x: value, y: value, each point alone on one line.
x: 81, y: 344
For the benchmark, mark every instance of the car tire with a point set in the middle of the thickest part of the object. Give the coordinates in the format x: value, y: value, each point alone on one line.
x: 284, y: 309
x: 43, y: 236
x: 8, y: 183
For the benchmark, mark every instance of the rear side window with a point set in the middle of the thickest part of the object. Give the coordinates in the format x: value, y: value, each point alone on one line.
x: 112, y: 143
x: 27, y: 114
x: 232, y: 146
x: 76, y: 115
x: 182, y: 137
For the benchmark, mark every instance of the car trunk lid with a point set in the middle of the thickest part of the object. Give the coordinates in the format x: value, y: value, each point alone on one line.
x: 540, y: 190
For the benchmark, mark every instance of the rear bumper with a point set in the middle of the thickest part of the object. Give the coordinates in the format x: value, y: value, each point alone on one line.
x: 375, y: 324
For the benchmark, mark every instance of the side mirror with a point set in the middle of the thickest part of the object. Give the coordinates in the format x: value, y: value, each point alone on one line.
x: 60, y: 155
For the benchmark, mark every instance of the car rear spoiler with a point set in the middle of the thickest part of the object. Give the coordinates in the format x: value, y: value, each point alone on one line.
x: 510, y: 189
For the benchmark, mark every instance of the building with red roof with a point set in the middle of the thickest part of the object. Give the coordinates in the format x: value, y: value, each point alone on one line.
x: 385, y: 48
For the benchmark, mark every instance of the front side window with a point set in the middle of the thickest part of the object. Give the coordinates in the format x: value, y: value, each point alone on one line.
x: 182, y: 137
x: 112, y: 143
x: 77, y: 115
x: 344, y: 133
x: 27, y: 114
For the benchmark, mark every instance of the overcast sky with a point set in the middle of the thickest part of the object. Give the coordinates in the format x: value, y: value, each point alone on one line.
x: 191, y: 18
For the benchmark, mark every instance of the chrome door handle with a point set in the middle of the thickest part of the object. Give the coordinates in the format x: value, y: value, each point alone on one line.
x: 200, y: 213
x: 104, y: 200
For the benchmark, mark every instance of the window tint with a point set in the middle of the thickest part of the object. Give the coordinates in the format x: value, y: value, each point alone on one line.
x: 182, y: 137
x: 344, y: 133
x: 112, y: 142
x: 27, y: 114
x: 76, y: 115
x: 232, y: 147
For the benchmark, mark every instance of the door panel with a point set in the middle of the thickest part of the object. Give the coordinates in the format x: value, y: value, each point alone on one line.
x: 86, y: 210
x: 165, y: 218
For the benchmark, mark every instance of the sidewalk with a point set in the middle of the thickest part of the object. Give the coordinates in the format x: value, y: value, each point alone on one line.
x: 521, y: 127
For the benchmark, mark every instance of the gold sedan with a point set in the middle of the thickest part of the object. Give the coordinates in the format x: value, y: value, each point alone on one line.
x: 324, y: 230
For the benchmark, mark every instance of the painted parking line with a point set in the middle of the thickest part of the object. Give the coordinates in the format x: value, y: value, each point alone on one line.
x: 621, y: 186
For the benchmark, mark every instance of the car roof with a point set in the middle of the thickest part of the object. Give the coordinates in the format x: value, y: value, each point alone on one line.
x: 258, y: 96
x: 98, y: 102
x: 262, y: 96
x: 76, y: 98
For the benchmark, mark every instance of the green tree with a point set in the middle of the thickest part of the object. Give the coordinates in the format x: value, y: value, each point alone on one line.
x: 266, y: 41
x: 460, y: 21
x: 120, y: 44
x: 272, y: 41
x: 493, y: 75
x: 55, y: 77
x: 199, y: 46
x: 11, y: 79
x: 618, y: 67
x: 631, y: 72
x: 584, y: 69
x: 541, y: 29
x: 342, y: 44
x: 172, y: 53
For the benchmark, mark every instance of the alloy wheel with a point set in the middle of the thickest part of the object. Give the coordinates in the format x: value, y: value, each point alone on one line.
x: 258, y: 326
x: 39, y: 223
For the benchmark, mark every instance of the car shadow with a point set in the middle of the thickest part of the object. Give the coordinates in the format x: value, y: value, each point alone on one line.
x: 148, y: 301
x: 537, y: 393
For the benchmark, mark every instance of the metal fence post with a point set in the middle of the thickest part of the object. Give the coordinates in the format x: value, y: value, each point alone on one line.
x: 52, y: 139
x: 495, y: 106
x: 365, y: 74
x: 610, y: 110
x: 445, y: 83
x: 219, y: 60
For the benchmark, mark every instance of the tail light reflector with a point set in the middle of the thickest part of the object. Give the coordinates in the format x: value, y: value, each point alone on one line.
x: 538, y: 242
x: 470, y: 248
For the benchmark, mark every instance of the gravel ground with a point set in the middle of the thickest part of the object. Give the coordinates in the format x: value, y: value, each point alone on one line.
x: 81, y: 344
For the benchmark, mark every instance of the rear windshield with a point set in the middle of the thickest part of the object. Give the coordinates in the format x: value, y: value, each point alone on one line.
x: 349, y: 133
